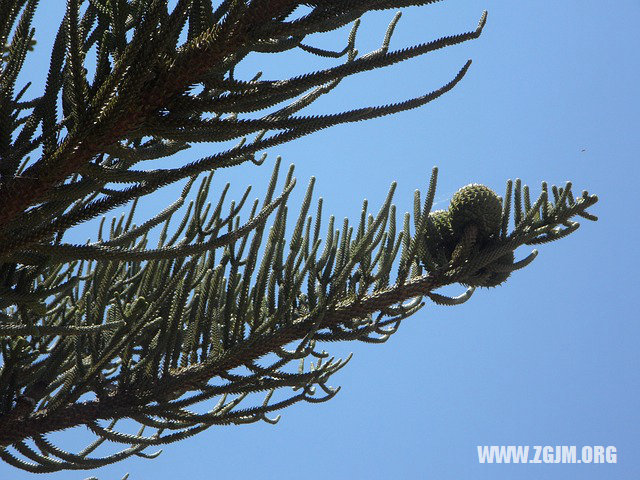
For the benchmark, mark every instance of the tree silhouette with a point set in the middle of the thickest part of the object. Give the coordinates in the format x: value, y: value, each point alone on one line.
x: 113, y: 330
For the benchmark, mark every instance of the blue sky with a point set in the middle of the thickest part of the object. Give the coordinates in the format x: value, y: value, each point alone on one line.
x: 546, y: 359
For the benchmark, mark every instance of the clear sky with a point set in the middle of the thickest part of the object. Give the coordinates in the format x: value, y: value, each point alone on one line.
x: 551, y: 357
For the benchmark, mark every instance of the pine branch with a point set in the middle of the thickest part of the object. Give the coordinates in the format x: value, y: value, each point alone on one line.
x: 341, y: 312
x: 225, y: 306
x: 142, y: 93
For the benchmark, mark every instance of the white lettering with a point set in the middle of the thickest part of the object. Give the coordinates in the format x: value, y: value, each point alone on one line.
x: 587, y: 454
x: 538, y: 451
x: 568, y: 454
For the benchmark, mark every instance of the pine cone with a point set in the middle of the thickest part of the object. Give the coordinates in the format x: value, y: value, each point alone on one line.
x: 493, y: 274
x: 478, y: 205
x: 439, y: 239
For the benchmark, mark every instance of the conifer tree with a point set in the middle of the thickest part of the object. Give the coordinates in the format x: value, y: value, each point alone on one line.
x: 226, y: 302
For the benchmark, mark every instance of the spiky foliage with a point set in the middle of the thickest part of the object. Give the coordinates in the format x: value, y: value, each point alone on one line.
x: 114, y: 330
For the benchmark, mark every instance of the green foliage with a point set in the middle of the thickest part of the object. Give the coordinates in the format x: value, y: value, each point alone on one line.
x: 114, y: 330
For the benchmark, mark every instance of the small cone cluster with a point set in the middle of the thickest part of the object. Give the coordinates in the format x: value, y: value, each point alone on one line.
x: 481, y: 207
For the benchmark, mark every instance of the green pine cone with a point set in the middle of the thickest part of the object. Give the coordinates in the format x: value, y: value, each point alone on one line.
x: 488, y: 277
x: 439, y: 239
x: 440, y: 225
x: 477, y: 205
